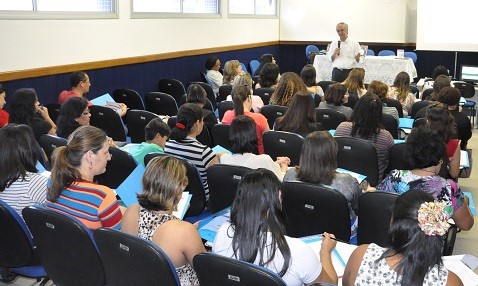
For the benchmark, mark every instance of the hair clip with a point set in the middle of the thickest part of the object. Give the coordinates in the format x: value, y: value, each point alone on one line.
x: 180, y: 125
x: 433, y: 218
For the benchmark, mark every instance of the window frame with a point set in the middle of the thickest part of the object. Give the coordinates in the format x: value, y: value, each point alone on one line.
x: 254, y: 16
x: 175, y: 15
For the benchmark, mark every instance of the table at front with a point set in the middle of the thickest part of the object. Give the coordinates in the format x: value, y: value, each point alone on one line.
x: 384, y: 69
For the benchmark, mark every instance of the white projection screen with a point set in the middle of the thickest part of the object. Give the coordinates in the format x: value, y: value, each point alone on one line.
x: 444, y: 25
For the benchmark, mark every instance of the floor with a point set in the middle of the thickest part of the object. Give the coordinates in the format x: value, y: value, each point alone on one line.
x: 466, y: 241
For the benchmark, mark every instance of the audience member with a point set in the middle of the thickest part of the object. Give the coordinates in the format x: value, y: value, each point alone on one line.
x: 25, y: 109
x: 450, y: 97
x: 416, y: 235
x: 156, y: 134
x: 380, y: 89
x: 243, y: 139
x: 427, y: 83
x: 244, y: 79
x: 309, y: 77
x: 213, y: 76
x: 335, y: 98
x: 4, y: 116
x: 265, y: 59
x: 256, y: 234
x: 268, y: 76
x: 366, y: 124
x: 231, y: 69
x: 20, y: 184
x: 288, y: 85
x: 163, y: 182
x: 197, y: 95
x: 183, y: 141
x: 400, y: 90
x: 73, y: 114
x: 424, y: 152
x: 440, y: 82
x: 344, y: 53
x: 73, y: 191
x: 355, y: 85
x: 300, y: 117
x: 318, y: 164
x: 242, y: 99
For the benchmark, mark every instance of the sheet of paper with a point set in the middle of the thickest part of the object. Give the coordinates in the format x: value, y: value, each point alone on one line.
x: 183, y: 205
x: 405, y: 123
x: 131, y: 186
x: 102, y: 100
x: 209, y: 226
x: 220, y: 149
x: 467, y: 276
x: 472, y: 203
x: 464, y: 160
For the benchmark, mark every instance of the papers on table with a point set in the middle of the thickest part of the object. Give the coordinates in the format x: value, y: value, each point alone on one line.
x: 340, y: 254
x: 209, y: 227
x: 463, y: 266
x: 472, y: 203
x: 357, y: 176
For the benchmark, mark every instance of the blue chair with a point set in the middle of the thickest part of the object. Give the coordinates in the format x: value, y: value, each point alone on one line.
x: 244, y: 68
x: 254, y: 65
x: 309, y: 49
x: 16, y: 246
x: 370, y: 52
x: 384, y: 53
x: 411, y: 55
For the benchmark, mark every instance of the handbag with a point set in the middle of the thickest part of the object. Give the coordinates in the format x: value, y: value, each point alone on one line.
x: 466, y: 171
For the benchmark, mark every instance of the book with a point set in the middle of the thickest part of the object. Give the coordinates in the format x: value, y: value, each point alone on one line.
x: 183, y: 205
x: 209, y: 226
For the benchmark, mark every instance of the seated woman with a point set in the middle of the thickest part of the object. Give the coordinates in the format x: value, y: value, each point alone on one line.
x: 440, y: 119
x: 440, y: 83
x: 25, y: 109
x: 197, y: 95
x: 425, y: 150
x: 243, y: 139
x: 318, y: 162
x: 256, y: 234
x: 20, y: 184
x: 288, y: 85
x: 164, y: 180
x: 335, y: 98
x: 268, y: 76
x: 400, y: 90
x: 231, y: 69
x: 355, y: 86
x: 300, y: 117
x: 73, y: 114
x: 183, y: 141
x: 213, y: 75
x: 265, y: 59
x: 73, y: 190
x: 244, y: 79
x: 242, y: 99
x: 309, y: 77
x: 4, y: 116
x: 380, y: 89
x: 414, y: 257
x: 366, y: 124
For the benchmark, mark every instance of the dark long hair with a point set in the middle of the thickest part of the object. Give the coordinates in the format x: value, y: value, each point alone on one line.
x: 367, y: 116
x: 72, y: 109
x: 440, y: 119
x: 240, y: 94
x: 268, y: 75
x: 425, y: 147
x: 318, y: 159
x: 308, y: 75
x: 188, y: 115
x: 335, y: 94
x: 265, y: 59
x: 17, y: 153
x: 300, y: 117
x: 22, y: 106
x: 255, y: 214
x: 243, y: 136
x: 420, y: 252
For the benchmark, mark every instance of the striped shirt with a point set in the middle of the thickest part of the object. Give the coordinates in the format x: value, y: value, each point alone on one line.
x: 94, y: 205
x: 24, y: 193
x: 196, y: 153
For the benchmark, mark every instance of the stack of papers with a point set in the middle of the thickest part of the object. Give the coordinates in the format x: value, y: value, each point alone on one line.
x: 209, y: 226
x: 107, y: 101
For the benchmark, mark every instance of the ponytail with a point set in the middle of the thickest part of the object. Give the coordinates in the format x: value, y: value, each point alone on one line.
x: 239, y: 95
x: 188, y: 115
x: 64, y: 172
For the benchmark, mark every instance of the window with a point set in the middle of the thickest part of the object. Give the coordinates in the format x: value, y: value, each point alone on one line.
x: 253, y: 7
x: 152, y: 7
x: 70, y: 9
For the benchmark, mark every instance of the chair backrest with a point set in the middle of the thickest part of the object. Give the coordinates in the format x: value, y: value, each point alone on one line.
x: 49, y: 143
x: 204, y: 137
x: 223, y: 181
x: 264, y: 93
x: 466, y: 89
x: 254, y: 65
x: 244, y: 68
x: 395, y: 103
x: 411, y: 55
x: 209, y: 93
x: 42, y: 157
x: 415, y: 91
x: 370, y: 52
x: 397, y: 158
x: 324, y: 84
x: 359, y: 156
x: 312, y: 209
x: 386, y: 53
x: 66, y: 247
x: 220, y: 135
x: 203, y: 77
x: 309, y: 49
x: 130, y: 97
x: 375, y: 209
x: 329, y: 119
x: 108, y: 120
x: 130, y: 260
x: 136, y: 120
x: 118, y: 168
x: 161, y: 103
x: 224, y: 91
x: 271, y: 112
x: 224, y: 106
x: 173, y: 87
x: 217, y: 270
x: 53, y: 110
x: 281, y: 143
x: 417, y: 106
x: 194, y: 187
x: 390, y: 124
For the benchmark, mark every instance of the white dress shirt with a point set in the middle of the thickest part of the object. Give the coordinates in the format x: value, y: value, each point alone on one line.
x: 348, y: 50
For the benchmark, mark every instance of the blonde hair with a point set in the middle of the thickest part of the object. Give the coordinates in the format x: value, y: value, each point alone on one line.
x: 379, y: 89
x: 230, y: 68
x: 354, y: 81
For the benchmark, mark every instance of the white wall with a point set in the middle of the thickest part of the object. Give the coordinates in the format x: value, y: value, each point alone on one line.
x: 27, y: 44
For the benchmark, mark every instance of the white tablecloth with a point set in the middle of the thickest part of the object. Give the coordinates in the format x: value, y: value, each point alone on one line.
x: 384, y: 69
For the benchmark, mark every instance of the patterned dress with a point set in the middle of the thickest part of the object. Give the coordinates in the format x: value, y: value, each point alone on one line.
x: 149, y: 221
x: 377, y: 272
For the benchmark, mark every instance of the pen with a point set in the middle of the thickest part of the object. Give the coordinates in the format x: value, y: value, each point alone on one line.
x: 336, y: 239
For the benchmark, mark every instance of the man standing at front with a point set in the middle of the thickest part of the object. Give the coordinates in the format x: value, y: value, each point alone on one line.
x: 343, y: 53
